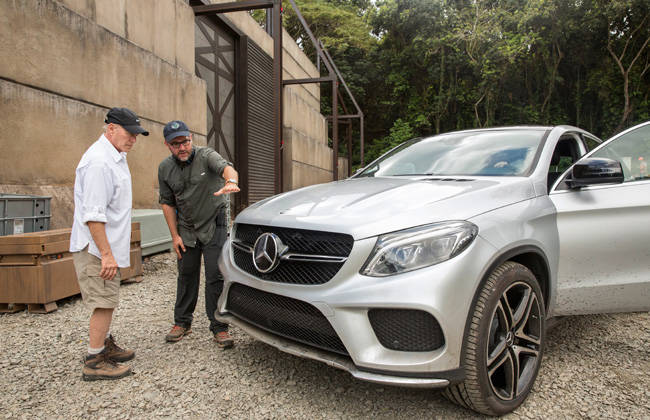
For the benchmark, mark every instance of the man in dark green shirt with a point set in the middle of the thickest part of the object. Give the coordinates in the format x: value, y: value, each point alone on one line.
x: 193, y: 184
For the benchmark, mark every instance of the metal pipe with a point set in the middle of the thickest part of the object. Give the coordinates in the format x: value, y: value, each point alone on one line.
x: 308, y: 80
x: 335, y: 133
x: 345, y: 85
x: 344, y: 116
x: 361, y: 148
x: 269, y: 21
x: 236, y: 6
x: 345, y: 108
x: 348, y: 131
x: 277, y: 91
x: 361, y: 119
x: 349, y: 128
x: 303, y: 22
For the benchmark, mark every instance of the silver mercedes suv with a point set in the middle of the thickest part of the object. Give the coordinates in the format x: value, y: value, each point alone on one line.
x: 439, y: 264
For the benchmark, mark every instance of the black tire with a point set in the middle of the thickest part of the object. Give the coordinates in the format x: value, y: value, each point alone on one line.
x: 504, y: 343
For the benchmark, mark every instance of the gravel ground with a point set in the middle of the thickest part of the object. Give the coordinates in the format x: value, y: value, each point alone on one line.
x: 594, y: 367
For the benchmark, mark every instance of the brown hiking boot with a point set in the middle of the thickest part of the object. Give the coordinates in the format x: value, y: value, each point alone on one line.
x: 99, y: 366
x: 177, y: 333
x: 224, y: 339
x: 115, y: 352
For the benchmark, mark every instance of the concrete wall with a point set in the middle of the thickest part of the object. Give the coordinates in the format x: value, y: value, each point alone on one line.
x: 307, y: 158
x: 66, y: 64
x: 166, y: 30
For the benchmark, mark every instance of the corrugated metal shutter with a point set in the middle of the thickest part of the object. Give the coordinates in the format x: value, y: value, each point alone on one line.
x: 261, y: 147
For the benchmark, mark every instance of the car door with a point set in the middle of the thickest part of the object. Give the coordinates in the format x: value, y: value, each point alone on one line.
x: 604, y: 232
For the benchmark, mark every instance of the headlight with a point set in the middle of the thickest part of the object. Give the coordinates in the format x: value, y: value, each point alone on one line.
x: 419, y: 247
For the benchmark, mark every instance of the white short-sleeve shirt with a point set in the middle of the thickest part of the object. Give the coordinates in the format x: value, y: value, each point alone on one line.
x: 102, y: 193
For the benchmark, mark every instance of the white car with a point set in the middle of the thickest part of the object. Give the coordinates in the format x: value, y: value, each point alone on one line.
x: 440, y: 263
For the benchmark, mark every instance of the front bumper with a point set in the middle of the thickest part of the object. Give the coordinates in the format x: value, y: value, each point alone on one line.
x: 331, y: 359
x: 445, y: 291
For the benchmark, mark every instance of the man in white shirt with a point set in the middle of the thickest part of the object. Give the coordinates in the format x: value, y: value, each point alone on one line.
x: 101, y: 236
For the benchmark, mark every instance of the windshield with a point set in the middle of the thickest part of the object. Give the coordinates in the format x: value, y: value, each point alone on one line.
x: 487, y: 153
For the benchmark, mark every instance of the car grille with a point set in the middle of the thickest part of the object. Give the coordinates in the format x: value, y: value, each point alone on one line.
x: 284, y: 316
x: 300, y: 241
x: 406, y: 329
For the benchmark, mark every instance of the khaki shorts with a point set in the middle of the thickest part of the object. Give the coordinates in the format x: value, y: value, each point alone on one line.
x: 95, y: 291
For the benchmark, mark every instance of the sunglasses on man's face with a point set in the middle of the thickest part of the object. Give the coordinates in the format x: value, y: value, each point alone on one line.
x: 178, y: 144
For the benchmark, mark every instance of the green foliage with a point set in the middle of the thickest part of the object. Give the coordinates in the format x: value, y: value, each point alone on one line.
x: 337, y: 24
x: 399, y: 133
x: 420, y: 67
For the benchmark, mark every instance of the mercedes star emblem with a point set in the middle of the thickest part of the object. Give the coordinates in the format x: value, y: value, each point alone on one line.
x: 267, y: 252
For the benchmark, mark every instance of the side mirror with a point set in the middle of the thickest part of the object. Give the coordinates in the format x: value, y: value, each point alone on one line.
x: 593, y: 171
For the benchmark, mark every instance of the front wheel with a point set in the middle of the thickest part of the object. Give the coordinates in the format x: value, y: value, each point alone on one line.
x: 504, y: 343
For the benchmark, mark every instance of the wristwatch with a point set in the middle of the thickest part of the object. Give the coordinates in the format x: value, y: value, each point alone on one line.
x: 231, y: 181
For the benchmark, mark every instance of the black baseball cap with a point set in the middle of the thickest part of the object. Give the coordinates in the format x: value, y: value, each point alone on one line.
x: 127, y: 119
x: 173, y: 129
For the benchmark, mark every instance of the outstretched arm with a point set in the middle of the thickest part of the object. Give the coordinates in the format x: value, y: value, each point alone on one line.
x: 232, y: 179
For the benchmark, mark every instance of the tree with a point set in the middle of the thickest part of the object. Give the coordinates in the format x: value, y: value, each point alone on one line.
x: 627, y: 43
x: 419, y: 67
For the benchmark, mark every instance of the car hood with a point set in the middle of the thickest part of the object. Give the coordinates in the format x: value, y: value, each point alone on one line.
x: 365, y: 207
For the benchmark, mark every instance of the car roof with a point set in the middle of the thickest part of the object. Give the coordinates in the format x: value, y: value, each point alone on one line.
x: 547, y: 128
x: 509, y: 127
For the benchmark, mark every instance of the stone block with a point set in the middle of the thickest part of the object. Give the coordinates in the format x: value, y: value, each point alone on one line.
x: 85, y: 8
x: 309, y: 92
x: 311, y: 152
x: 89, y: 63
x: 164, y: 41
x: 53, y: 130
x: 287, y: 153
x: 296, y: 65
x: 304, y: 175
x: 296, y: 53
x: 140, y: 22
x: 39, y: 123
x: 111, y: 14
x: 302, y: 117
x: 184, y: 36
x: 343, y: 167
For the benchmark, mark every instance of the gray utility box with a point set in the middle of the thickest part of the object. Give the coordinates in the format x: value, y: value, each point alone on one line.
x: 154, y: 233
x: 23, y: 214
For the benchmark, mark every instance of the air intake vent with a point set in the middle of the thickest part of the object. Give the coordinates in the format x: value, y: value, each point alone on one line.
x: 449, y: 179
x: 284, y: 316
x: 406, y: 329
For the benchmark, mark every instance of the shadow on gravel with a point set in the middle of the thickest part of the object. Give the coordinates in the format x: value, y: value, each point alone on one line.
x: 574, y: 346
x: 580, y: 335
x: 318, y: 382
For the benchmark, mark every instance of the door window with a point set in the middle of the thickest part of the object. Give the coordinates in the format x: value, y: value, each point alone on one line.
x: 632, y: 150
x: 566, y: 153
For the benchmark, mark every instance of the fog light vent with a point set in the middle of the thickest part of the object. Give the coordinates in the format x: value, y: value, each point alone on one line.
x: 284, y: 316
x: 406, y: 329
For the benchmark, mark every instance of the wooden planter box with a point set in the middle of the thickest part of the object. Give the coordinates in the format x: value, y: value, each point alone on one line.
x: 36, y: 269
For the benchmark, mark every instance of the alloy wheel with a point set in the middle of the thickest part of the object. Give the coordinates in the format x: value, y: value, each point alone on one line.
x: 514, y: 341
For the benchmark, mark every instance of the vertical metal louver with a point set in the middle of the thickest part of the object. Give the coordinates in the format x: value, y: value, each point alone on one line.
x: 261, y: 146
